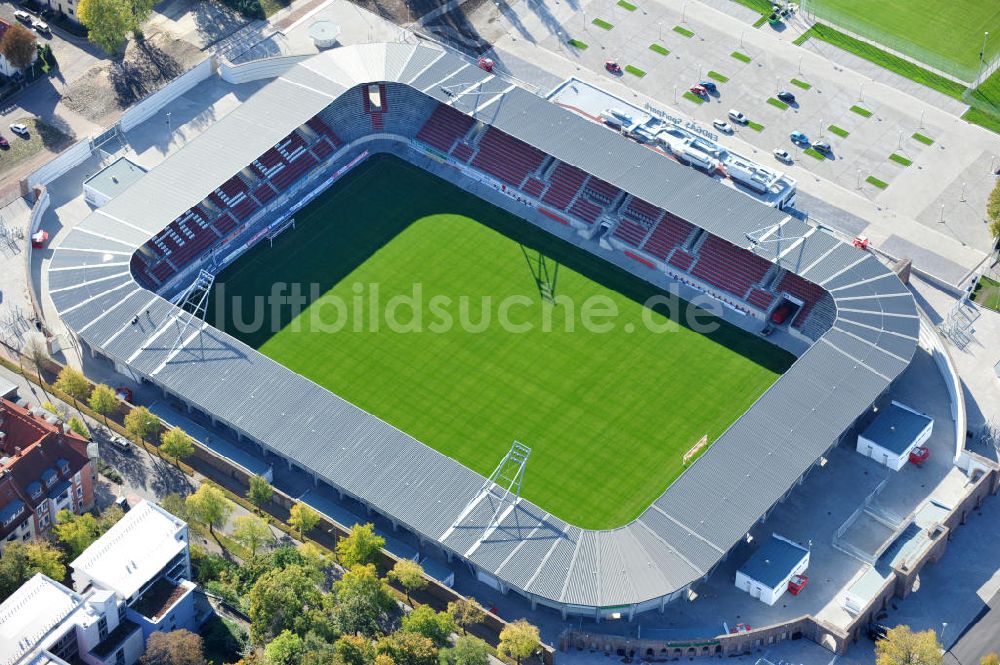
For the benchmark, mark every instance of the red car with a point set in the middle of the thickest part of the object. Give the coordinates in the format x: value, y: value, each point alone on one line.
x: 613, y: 66
x: 3, y: 142
x: 486, y: 64
x: 124, y: 393
x: 781, y: 313
x: 699, y: 90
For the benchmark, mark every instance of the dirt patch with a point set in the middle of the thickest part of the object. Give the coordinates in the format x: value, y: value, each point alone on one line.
x: 106, y: 90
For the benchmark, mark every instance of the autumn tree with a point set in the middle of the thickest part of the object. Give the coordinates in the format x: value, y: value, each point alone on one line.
x: 410, y: 576
x: 35, y: 353
x: 360, y: 547
x: 77, y: 532
x: 140, y: 423
x: 990, y: 659
x: 109, y: 21
x: 408, y: 649
x: 178, y: 647
x: 285, y: 649
x: 208, y: 506
x: 72, y: 382
x: 251, y: 532
x: 353, y: 650
x: 177, y: 443
x: 103, y: 401
x: 303, y: 518
x: 519, y: 640
x: 279, y: 599
x: 364, y: 602
x: 259, y: 492
x: 468, y: 650
x: 18, y: 46
x: 902, y: 646
x: 466, y: 612
x: 20, y: 561
x: 436, y: 626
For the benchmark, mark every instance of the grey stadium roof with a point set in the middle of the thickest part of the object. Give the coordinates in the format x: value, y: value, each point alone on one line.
x: 683, y: 534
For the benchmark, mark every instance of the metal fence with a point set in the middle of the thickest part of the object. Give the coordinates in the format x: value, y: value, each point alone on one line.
x: 899, y: 44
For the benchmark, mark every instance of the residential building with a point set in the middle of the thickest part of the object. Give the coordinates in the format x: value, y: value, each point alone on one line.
x: 43, y: 469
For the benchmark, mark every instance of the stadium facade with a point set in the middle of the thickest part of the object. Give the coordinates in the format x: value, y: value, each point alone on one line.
x: 220, y: 193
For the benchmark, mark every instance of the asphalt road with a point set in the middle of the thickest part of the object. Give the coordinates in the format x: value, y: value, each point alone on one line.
x: 980, y: 637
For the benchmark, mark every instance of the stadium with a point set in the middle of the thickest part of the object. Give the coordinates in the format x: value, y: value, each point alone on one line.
x: 333, y: 145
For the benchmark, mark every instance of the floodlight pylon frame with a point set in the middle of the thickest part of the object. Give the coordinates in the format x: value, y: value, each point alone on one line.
x: 507, y: 477
x: 192, y: 301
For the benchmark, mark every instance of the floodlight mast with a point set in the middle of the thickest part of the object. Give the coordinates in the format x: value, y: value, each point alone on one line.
x: 192, y: 301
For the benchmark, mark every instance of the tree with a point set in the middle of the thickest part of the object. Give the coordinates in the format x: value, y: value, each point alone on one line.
x: 177, y: 443
x: 103, y: 401
x: 72, y: 382
x: 279, y: 599
x: 364, y: 603
x: 468, y: 650
x: 260, y: 492
x: 20, y: 561
x: 990, y: 659
x: 178, y: 647
x: 208, y: 506
x: 18, y: 46
x: 36, y: 353
x: 902, y: 646
x: 303, y: 518
x: 360, y: 547
x: 108, y: 21
x: 285, y: 649
x: 75, y: 532
x: 76, y: 425
x: 174, y: 504
x: 140, y: 423
x: 410, y: 576
x: 436, y: 626
x: 466, y: 612
x: 520, y: 639
x: 353, y: 650
x: 251, y: 532
x: 408, y: 649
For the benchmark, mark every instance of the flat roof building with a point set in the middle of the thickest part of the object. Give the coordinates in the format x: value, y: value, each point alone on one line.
x: 766, y: 574
x: 111, y: 181
x: 893, y: 435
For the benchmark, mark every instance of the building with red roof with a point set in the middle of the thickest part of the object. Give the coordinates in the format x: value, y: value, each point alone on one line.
x: 43, y: 470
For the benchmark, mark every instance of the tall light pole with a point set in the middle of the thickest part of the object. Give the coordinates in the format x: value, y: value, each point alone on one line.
x: 861, y: 93
x: 168, y: 122
x: 982, y: 55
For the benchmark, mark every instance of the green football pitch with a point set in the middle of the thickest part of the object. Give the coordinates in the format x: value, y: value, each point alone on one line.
x: 947, y: 35
x: 608, y: 407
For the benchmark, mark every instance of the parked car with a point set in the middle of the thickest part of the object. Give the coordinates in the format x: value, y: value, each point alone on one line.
x: 708, y: 85
x: 23, y: 16
x: 613, y: 66
x: 786, y: 97
x: 486, y: 64
x: 3, y: 142
x: 699, y: 90
x: 722, y: 126
x: 800, y: 138
x: 781, y: 312
x: 40, y: 26
x: 822, y: 146
x: 782, y: 155
x: 738, y: 116
x: 20, y: 129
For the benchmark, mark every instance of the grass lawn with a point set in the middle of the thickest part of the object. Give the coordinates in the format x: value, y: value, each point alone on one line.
x: 635, y: 71
x: 759, y: 22
x: 662, y: 50
x: 756, y: 126
x: 926, y: 140
x: 815, y: 154
x: 951, y: 32
x: 601, y: 23
x: 683, y: 31
x: 742, y: 57
x: 987, y: 293
x: 899, y: 159
x: 884, y: 59
x: 576, y: 43
x: 801, y: 84
x: 986, y: 94
x: 774, y: 101
x: 608, y: 414
x: 862, y: 111
x: 627, y: 5
x: 839, y: 131
x: 41, y: 136
x: 872, y: 180
x: 691, y: 97
x: 716, y: 76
